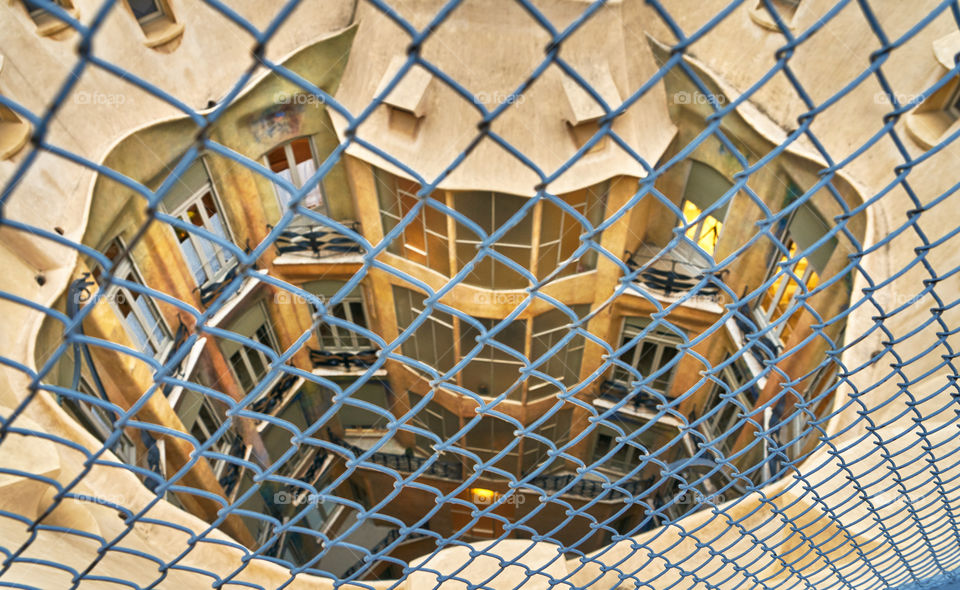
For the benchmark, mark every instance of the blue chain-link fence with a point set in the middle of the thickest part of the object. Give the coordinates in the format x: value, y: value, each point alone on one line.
x: 705, y: 369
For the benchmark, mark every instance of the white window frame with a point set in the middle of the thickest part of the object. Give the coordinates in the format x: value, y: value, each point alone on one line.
x: 499, y: 246
x: 125, y: 269
x: 223, y: 256
x: 295, y: 179
x: 765, y: 316
x: 712, y: 424
x: 795, y: 426
x: 347, y: 340
x: 658, y: 339
x: 698, y: 228
x: 612, y: 465
x: 580, y: 208
x: 101, y: 422
x: 223, y: 444
x: 577, y: 343
x: 509, y: 364
x: 432, y: 321
x: 244, y: 351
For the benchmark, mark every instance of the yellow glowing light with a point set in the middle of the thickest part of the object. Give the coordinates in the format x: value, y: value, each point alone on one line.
x: 483, y: 495
x: 709, y: 229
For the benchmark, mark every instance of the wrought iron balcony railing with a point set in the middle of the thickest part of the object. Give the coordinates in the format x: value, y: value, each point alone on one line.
x: 316, y: 240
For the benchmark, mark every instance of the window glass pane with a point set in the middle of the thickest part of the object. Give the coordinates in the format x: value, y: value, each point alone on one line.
x: 139, y: 332
x: 277, y: 159
x: 240, y: 368
x: 192, y: 258
x: 145, y: 9
x: 256, y: 361
x: 301, y: 151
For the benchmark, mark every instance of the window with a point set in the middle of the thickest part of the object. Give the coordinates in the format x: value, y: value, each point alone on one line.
x: 705, y: 187
x: 436, y: 419
x: 952, y: 105
x: 148, y: 11
x: 564, y: 365
x: 350, y: 309
x: 193, y: 200
x: 493, y: 371
x: 353, y: 417
x: 99, y: 422
x: 139, y: 313
x: 424, y: 238
x: 727, y: 411
x: 336, y: 338
x: 798, y: 232
x: 491, y: 211
x: 655, y: 353
x: 249, y: 364
x: 704, y: 230
x: 203, y: 417
x: 296, y: 162
x: 641, y: 440
x: 47, y: 22
x: 560, y: 231
x: 432, y: 342
x: 555, y: 429
x: 488, y: 436
x: 157, y: 22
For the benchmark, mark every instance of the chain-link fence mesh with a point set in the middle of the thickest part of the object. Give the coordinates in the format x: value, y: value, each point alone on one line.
x: 349, y: 364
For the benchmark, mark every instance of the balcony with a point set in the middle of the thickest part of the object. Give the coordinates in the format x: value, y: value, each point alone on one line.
x: 672, y: 273
x: 315, y: 241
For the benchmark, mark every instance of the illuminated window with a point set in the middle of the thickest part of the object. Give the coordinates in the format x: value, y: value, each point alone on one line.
x: 705, y: 229
x: 794, y: 277
x: 706, y: 189
x: 296, y: 162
